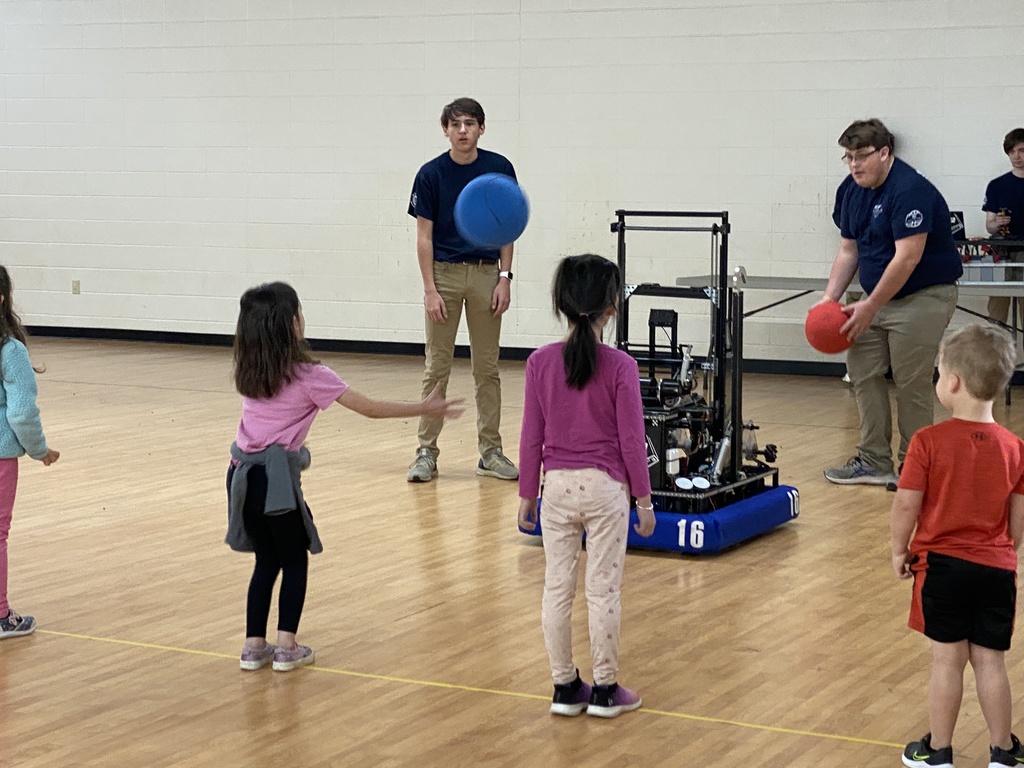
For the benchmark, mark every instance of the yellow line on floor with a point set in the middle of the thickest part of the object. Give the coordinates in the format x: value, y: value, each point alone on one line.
x: 471, y: 689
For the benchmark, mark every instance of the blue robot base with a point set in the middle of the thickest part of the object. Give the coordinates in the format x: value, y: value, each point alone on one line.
x: 710, y: 532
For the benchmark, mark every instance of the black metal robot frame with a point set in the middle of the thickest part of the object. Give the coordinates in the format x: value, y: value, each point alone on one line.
x: 702, y: 455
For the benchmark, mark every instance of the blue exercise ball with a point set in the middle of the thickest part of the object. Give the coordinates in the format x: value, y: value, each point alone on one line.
x: 492, y: 211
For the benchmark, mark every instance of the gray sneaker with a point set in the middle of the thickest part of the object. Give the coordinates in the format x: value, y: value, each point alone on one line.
x: 858, y: 472
x: 257, y: 658
x: 13, y: 625
x: 286, y: 661
x: 495, y: 464
x: 424, y: 468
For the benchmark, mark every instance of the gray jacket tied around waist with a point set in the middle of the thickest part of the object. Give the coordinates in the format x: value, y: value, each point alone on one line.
x: 284, y: 492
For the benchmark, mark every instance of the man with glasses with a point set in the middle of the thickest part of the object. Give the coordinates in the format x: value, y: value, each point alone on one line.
x: 894, y: 227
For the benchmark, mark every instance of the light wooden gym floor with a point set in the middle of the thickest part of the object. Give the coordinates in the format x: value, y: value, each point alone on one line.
x: 424, y: 608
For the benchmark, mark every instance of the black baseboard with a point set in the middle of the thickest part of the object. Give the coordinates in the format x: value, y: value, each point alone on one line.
x: 225, y: 340
x: 782, y: 367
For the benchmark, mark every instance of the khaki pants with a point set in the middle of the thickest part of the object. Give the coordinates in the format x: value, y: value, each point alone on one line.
x: 904, y: 335
x: 999, y: 306
x: 574, y: 501
x: 999, y: 309
x: 472, y: 286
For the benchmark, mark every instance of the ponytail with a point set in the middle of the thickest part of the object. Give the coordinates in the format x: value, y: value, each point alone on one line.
x: 584, y: 288
x: 580, y: 352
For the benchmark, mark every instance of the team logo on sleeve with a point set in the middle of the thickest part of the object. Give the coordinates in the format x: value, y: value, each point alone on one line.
x: 914, y: 219
x: 412, y: 201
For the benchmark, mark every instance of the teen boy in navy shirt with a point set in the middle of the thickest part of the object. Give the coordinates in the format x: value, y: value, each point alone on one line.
x: 1004, y: 215
x: 894, y: 227
x: 457, y: 274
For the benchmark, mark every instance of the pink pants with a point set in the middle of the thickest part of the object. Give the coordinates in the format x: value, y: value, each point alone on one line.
x: 8, y: 487
x: 574, y: 501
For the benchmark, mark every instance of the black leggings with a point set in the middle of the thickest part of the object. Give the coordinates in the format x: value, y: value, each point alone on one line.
x: 281, y: 545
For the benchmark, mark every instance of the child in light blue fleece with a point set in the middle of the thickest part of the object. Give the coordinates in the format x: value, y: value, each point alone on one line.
x: 21, y: 432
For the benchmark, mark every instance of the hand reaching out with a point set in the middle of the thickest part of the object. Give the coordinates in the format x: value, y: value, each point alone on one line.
x: 435, y: 406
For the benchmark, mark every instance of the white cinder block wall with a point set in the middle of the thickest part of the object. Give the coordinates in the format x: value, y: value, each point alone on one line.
x: 168, y: 154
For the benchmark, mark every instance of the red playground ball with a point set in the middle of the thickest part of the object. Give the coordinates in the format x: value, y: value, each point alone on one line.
x: 822, y: 328
x: 492, y: 211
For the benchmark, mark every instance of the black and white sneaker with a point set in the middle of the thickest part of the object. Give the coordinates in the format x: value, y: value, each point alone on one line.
x: 570, y: 699
x: 919, y: 754
x: 13, y: 625
x: 997, y: 756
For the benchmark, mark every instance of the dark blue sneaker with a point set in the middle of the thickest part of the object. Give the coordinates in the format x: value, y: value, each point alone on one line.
x: 570, y: 699
x: 919, y: 754
x: 997, y: 756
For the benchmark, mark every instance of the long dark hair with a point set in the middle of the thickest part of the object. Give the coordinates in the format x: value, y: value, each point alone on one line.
x: 584, y: 287
x: 10, y: 323
x: 267, y: 348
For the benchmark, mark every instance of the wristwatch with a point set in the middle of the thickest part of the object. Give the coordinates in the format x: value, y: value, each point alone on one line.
x: 506, y: 275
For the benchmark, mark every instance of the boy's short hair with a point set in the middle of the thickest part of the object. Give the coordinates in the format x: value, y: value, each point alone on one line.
x: 983, y: 356
x: 1013, y: 138
x: 466, y: 107
x: 867, y: 133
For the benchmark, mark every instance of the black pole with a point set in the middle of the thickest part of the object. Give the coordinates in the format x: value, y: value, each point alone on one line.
x: 622, y: 324
x: 721, y: 315
x: 737, y: 383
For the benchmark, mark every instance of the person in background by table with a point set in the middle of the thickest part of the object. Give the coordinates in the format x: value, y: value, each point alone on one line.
x: 1004, y: 217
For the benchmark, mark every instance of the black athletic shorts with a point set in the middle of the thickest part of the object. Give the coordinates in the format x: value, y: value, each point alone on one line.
x: 958, y: 600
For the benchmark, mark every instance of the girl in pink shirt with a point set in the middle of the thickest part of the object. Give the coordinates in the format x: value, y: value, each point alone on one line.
x: 583, y: 422
x: 283, y: 388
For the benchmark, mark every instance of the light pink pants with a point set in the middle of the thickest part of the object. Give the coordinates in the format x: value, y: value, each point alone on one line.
x: 574, y: 501
x: 8, y: 487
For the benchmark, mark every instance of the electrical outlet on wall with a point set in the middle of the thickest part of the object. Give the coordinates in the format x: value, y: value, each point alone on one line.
x: 76, y: 286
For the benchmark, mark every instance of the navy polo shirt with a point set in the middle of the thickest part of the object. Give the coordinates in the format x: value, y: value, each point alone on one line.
x: 434, y: 192
x: 841, y: 191
x: 1007, y: 192
x: 906, y: 204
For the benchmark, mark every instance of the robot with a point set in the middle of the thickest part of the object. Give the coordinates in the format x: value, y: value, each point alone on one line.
x: 712, y: 487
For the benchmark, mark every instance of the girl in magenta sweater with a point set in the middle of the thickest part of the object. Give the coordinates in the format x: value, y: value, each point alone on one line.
x: 583, y: 422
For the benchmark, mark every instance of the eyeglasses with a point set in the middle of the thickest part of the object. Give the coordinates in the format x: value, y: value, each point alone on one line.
x: 860, y: 157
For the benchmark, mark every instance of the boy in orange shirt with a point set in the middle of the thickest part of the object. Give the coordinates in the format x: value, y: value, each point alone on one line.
x: 962, y: 487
